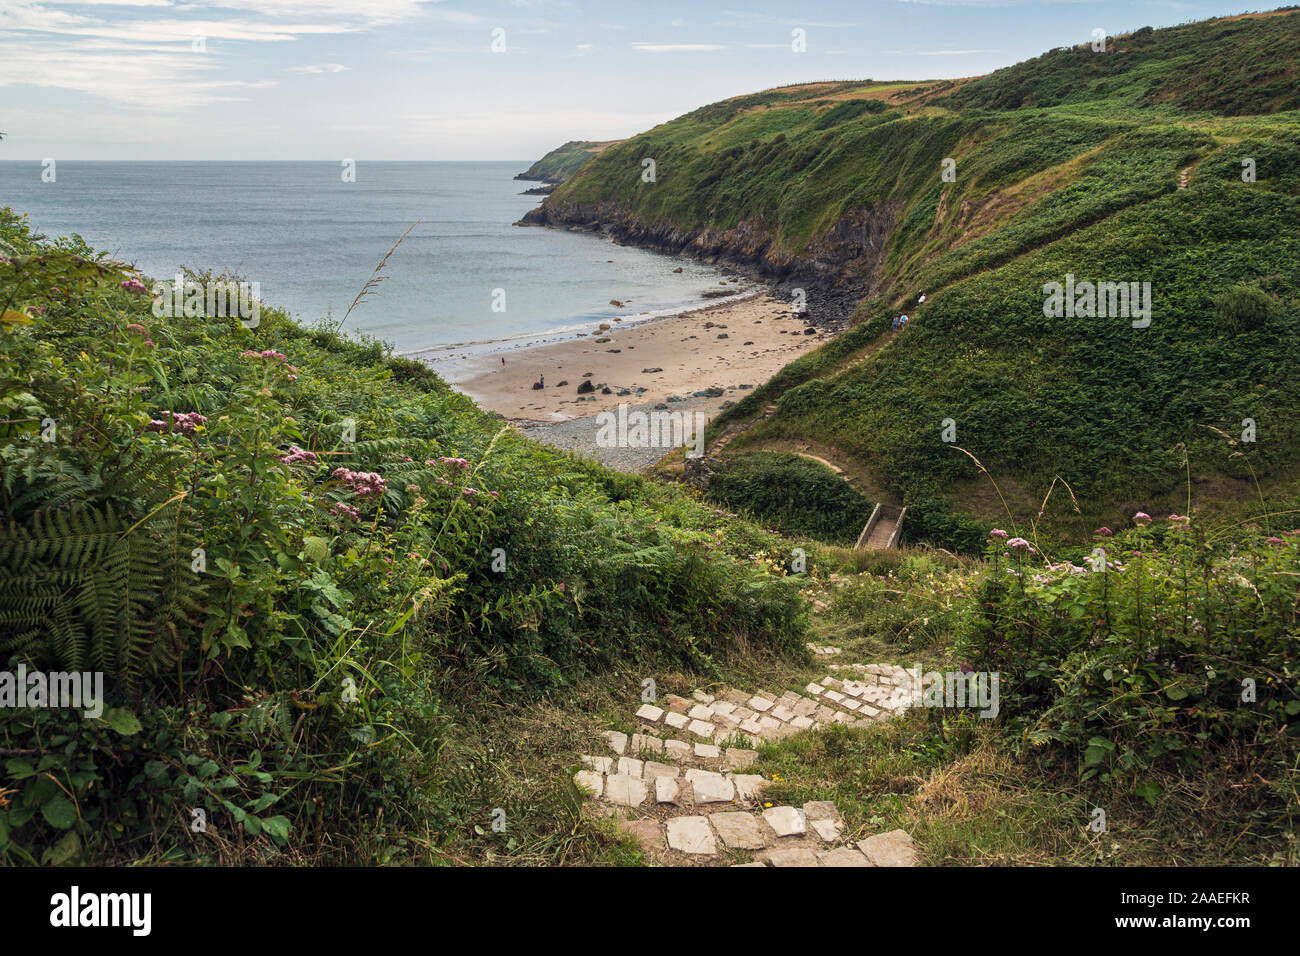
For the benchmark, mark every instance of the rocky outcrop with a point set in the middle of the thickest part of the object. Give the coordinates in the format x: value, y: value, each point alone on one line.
x: 842, y: 265
x: 699, y: 472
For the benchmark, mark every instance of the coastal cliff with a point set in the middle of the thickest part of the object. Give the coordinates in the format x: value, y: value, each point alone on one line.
x: 843, y: 264
x: 562, y: 162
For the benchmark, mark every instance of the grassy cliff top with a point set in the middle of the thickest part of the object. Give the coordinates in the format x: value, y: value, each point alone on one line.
x: 1172, y: 158
x: 563, y: 161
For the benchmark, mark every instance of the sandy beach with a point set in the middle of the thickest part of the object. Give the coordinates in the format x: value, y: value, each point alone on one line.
x: 728, y: 347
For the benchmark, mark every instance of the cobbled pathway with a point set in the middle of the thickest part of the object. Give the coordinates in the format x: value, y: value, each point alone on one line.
x: 680, y: 783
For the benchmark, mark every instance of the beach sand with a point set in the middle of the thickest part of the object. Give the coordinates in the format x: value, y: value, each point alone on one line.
x: 733, y: 343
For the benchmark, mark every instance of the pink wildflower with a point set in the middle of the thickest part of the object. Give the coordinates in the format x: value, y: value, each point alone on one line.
x: 184, y: 422
x: 144, y: 333
x: 274, y: 356
x: 297, y: 454
x: 364, y: 484
x: 346, y: 511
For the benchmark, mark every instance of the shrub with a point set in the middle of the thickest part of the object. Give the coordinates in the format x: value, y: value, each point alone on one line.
x: 1245, y: 306
x: 793, y: 495
x: 1176, y: 649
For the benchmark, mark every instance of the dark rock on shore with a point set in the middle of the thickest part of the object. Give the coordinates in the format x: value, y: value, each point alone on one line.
x: 836, y: 271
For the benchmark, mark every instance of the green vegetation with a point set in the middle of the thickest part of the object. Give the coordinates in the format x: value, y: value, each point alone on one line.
x: 793, y: 495
x: 343, y: 614
x: 1067, y: 165
x: 279, y: 548
x: 562, y: 162
x: 1161, y: 689
x: 1171, y: 651
x: 1175, y: 67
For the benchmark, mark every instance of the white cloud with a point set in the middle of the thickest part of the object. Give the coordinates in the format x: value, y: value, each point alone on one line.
x: 676, y: 47
x: 317, y: 68
x: 128, y: 74
x: 357, y: 12
x: 141, y: 51
x: 112, y: 3
x: 746, y: 18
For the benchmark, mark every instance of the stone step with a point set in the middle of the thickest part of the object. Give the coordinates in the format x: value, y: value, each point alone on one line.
x: 776, y: 836
x: 652, y: 746
x: 746, y: 719
x: 633, y: 783
x: 825, y: 650
x: 681, y: 774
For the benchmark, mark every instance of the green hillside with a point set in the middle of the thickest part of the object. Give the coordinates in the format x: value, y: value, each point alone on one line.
x: 1069, y: 164
x: 563, y: 161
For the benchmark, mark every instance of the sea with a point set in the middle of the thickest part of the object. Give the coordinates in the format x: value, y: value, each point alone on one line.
x: 465, y: 282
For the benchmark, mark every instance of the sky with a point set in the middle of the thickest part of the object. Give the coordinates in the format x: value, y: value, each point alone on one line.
x: 473, y: 79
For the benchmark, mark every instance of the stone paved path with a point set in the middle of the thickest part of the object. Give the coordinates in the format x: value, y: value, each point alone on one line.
x: 680, y: 784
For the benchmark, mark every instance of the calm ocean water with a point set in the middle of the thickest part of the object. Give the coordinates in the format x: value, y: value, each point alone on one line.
x: 312, y: 241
